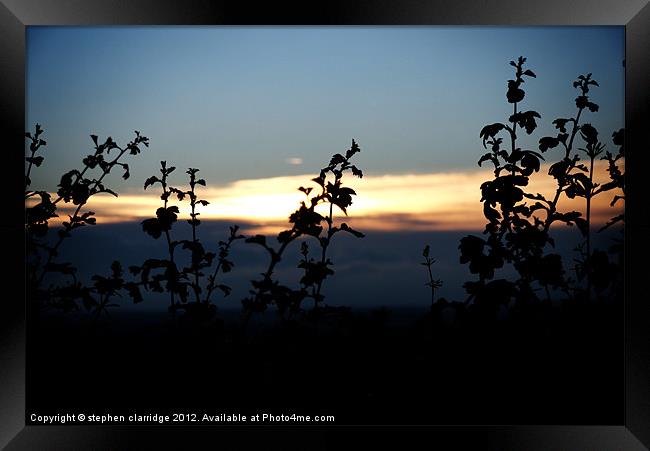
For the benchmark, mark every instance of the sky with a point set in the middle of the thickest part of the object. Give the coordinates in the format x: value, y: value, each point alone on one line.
x: 443, y: 201
x: 259, y: 110
x: 253, y: 102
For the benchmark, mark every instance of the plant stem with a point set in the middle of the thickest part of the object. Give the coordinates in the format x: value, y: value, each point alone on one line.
x: 76, y: 213
x: 433, y: 298
x: 558, y: 192
x: 196, y: 269
x: 330, y: 220
x: 275, y: 258
x: 213, y: 285
x: 170, y: 248
x: 214, y: 275
x: 589, y: 194
x: 29, y: 168
x: 513, y: 135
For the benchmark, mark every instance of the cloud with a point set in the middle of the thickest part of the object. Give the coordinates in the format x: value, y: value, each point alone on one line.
x: 294, y: 161
x: 390, y: 202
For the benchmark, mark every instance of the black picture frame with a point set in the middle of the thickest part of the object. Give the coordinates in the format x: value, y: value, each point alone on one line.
x: 16, y: 15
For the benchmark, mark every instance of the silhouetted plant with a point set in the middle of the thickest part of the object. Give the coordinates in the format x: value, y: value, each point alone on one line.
x: 576, y: 179
x: 180, y: 282
x: 313, y: 271
x: 307, y: 222
x: 38, y: 215
x: 223, y: 264
x: 77, y: 187
x: 106, y: 288
x: 432, y: 284
x: 616, y: 175
x: 515, y: 233
x: 166, y: 216
x: 617, y: 181
x: 200, y: 259
x: 34, y: 146
x: 511, y: 235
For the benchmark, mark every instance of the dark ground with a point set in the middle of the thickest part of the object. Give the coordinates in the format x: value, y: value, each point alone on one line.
x: 563, y: 366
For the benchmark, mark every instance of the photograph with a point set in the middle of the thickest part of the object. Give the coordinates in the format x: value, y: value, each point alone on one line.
x: 349, y: 225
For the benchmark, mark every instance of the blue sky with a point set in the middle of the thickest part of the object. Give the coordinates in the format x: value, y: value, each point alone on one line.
x: 238, y: 102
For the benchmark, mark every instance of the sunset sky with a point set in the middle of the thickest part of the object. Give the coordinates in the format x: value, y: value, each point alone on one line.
x: 416, y: 202
x: 261, y: 109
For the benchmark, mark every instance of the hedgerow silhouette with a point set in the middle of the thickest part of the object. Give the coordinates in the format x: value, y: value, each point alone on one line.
x: 179, y: 282
x: 76, y: 186
x: 515, y: 233
x: 198, y: 280
x: 307, y: 222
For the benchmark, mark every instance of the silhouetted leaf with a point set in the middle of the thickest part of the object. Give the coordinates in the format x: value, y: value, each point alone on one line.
x: 514, y: 93
x: 305, y: 190
x: 470, y: 247
x: 306, y: 221
x: 337, y: 159
x: 526, y: 120
x: 349, y: 229
x: 352, y: 150
x: 488, y: 157
x: 583, y: 226
x: 285, y: 236
x: 36, y: 161
x: 560, y: 124
x: 80, y: 192
x: 490, y: 131
x: 150, y: 181
x: 582, y: 101
x: 530, y: 164
x: 548, y: 142
x: 589, y: 133
x: 152, y: 227
x: 490, y: 213
x: 167, y: 216
x: 616, y: 219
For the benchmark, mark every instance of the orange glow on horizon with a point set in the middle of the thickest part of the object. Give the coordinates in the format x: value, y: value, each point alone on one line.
x: 414, y: 202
